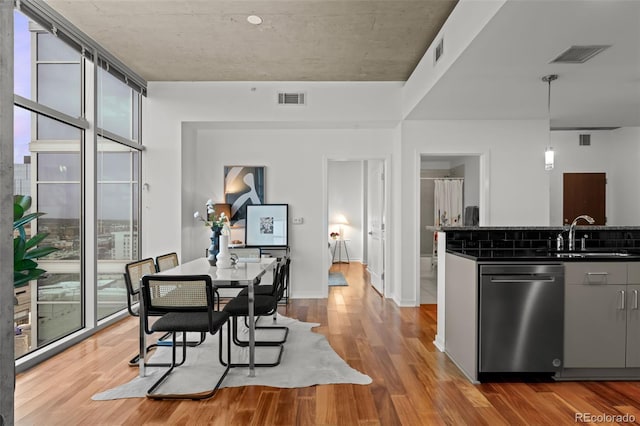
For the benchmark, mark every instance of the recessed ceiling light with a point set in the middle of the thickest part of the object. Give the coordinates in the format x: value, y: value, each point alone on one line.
x: 254, y: 19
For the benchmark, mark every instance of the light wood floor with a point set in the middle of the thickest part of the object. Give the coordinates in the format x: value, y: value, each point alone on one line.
x: 413, y: 383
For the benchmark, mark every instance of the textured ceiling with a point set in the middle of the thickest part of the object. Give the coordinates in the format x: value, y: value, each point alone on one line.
x: 304, y: 40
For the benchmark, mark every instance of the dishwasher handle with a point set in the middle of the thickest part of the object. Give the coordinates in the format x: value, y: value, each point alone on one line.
x: 523, y: 279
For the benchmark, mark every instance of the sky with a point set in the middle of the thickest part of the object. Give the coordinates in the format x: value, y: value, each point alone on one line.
x: 22, y: 86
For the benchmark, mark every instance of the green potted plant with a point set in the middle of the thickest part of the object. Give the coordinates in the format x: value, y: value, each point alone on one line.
x: 26, y: 250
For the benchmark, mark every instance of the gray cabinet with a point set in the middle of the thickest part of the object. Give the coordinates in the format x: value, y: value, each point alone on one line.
x: 595, y: 329
x: 461, y: 314
x: 633, y: 314
x: 633, y: 326
x: 602, y: 315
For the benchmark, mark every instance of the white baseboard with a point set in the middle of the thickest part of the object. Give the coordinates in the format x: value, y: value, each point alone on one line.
x: 439, y: 343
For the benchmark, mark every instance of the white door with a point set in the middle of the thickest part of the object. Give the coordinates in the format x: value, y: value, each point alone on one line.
x: 376, y: 219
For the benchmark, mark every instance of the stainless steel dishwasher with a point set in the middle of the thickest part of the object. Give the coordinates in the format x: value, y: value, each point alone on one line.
x: 521, y: 318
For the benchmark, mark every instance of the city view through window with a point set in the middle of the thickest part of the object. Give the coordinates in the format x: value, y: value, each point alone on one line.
x: 49, y: 159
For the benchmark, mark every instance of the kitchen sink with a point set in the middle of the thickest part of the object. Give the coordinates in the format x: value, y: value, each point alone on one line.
x: 606, y: 254
x: 593, y: 254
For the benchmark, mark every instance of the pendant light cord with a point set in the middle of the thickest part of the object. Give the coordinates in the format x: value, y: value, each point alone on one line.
x: 548, y: 79
x: 549, y: 100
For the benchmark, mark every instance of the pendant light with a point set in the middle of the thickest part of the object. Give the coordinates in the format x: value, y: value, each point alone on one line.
x: 549, y: 154
x: 549, y: 158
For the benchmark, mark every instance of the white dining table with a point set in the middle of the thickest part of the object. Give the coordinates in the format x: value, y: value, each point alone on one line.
x: 246, y: 272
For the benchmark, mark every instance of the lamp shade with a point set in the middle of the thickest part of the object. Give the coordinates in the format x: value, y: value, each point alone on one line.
x: 549, y: 157
x: 340, y: 219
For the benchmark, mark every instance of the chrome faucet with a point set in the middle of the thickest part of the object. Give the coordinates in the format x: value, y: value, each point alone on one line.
x: 572, y: 230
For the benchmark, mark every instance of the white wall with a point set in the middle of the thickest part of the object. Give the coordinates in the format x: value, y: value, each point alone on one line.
x: 623, y: 185
x: 293, y: 175
x: 193, y: 129
x: 471, y: 179
x: 513, y: 186
x: 345, y: 193
x: 466, y: 21
x: 616, y: 153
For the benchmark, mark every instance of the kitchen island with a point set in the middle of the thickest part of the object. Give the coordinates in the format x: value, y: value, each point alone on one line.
x: 590, y: 310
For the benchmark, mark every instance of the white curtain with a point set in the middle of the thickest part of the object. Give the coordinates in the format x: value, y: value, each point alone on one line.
x: 448, y: 202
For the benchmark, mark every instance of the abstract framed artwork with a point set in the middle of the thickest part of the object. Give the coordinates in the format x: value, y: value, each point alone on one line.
x: 243, y: 186
x: 267, y: 225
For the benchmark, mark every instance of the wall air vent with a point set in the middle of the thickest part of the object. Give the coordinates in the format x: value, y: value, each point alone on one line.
x: 585, y: 140
x: 291, y: 99
x: 579, y: 54
x: 437, y: 54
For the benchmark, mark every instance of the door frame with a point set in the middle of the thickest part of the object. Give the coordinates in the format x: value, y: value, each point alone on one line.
x: 386, y: 160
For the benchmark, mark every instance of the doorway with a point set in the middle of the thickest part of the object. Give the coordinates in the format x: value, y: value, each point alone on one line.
x: 356, y: 212
x: 345, y: 207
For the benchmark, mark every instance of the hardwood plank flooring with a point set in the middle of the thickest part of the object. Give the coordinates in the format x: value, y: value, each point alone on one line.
x: 413, y: 383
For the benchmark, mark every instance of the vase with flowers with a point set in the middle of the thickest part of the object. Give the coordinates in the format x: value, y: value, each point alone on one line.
x: 219, y: 231
x: 334, y: 235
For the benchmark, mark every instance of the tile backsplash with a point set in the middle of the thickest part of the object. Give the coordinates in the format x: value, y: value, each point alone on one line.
x: 536, y: 238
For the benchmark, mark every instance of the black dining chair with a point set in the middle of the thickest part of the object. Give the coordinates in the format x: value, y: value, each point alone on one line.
x: 134, y: 271
x: 264, y: 305
x: 230, y: 290
x: 270, y: 289
x: 187, y: 304
x: 246, y: 252
x: 167, y: 261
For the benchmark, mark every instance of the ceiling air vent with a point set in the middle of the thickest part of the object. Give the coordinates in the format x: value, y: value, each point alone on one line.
x: 579, y: 54
x: 291, y: 99
x: 583, y: 128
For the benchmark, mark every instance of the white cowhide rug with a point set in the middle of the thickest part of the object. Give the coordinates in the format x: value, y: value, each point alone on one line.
x: 308, y: 360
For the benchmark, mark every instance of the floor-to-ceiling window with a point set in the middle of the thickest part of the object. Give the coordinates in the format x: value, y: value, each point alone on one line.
x: 118, y: 184
x: 57, y: 82
x: 76, y: 139
x: 117, y: 222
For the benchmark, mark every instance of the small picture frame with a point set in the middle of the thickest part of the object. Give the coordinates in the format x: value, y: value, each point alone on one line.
x: 267, y: 225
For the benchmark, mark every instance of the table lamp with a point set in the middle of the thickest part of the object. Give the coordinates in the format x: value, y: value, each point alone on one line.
x: 341, y: 220
x: 222, y: 208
